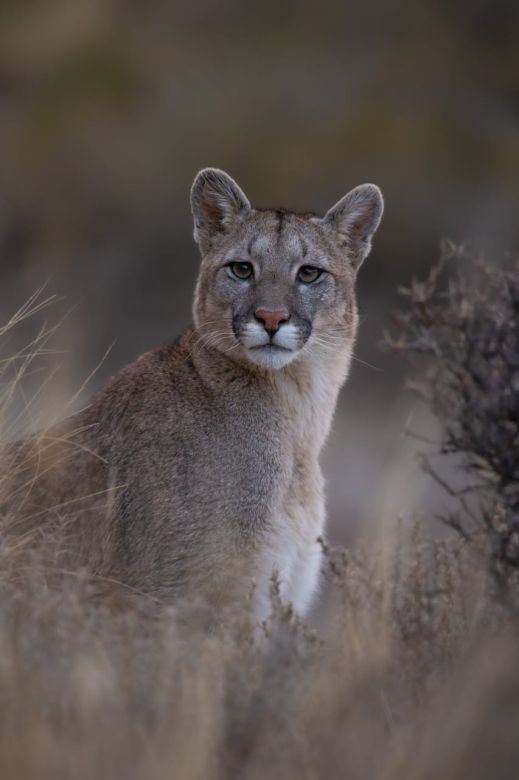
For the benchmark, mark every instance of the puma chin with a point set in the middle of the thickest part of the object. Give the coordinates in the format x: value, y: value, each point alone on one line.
x: 271, y: 351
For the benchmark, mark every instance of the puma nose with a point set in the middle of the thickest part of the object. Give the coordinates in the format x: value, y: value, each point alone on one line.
x: 271, y: 319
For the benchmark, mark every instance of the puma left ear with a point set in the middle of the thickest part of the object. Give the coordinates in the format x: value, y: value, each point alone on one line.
x: 355, y: 219
x: 216, y: 201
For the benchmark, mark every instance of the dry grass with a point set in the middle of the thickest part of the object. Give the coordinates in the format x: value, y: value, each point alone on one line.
x: 412, y: 673
x: 415, y: 675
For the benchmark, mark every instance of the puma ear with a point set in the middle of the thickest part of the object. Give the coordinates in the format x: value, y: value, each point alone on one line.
x: 216, y: 202
x: 355, y: 219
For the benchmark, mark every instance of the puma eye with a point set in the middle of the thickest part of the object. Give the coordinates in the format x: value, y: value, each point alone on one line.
x: 241, y: 270
x: 308, y: 274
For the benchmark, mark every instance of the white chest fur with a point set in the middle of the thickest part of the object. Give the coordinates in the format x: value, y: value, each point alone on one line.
x: 291, y: 550
x: 292, y: 553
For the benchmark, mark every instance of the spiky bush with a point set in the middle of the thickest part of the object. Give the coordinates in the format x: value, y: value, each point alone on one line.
x: 464, y: 321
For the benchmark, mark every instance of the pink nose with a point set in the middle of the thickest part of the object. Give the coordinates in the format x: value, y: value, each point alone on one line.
x: 271, y: 319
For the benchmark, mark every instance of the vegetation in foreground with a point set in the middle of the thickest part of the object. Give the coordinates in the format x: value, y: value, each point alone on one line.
x: 413, y: 672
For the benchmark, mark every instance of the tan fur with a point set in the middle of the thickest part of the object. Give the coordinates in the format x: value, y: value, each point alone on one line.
x: 196, y: 469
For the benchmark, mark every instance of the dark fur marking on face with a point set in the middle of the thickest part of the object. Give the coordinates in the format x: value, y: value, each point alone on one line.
x: 281, y: 216
x: 236, y: 325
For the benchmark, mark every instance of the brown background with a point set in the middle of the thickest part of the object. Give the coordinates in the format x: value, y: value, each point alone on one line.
x: 108, y: 109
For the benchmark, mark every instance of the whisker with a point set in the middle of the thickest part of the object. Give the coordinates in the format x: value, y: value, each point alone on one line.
x: 211, y: 340
x: 332, y: 342
x: 369, y: 365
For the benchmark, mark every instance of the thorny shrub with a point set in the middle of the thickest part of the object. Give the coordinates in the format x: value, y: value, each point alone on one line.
x: 463, y: 319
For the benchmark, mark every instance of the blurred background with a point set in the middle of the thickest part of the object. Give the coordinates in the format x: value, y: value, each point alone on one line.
x: 109, y: 108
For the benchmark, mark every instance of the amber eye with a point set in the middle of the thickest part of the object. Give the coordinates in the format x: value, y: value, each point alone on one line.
x: 241, y: 270
x: 308, y: 274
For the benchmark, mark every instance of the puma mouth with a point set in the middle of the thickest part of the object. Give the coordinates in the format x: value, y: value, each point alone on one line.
x: 272, y: 348
x: 271, y: 356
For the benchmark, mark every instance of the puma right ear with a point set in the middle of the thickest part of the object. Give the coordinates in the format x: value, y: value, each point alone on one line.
x: 216, y: 202
x: 354, y: 220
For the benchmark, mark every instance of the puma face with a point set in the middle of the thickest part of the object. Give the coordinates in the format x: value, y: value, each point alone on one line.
x: 275, y: 286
